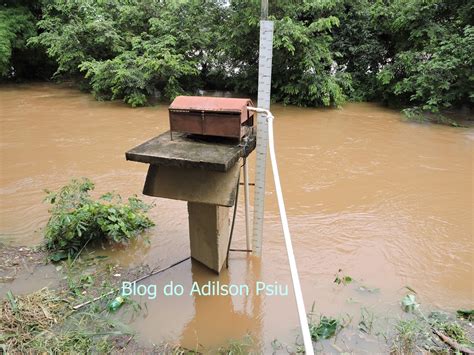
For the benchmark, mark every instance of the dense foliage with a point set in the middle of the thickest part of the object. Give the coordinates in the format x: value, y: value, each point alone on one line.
x: 303, y: 61
x: 410, y: 53
x: 77, y: 219
x: 17, y: 59
x: 16, y: 25
x: 131, y: 50
x: 432, y: 61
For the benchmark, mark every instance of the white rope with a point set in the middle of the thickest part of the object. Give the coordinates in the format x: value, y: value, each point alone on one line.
x: 308, y: 344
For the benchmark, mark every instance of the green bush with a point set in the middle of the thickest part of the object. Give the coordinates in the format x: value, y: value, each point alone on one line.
x: 413, y: 54
x: 77, y: 219
x: 303, y: 63
x: 18, y: 60
x: 429, y: 67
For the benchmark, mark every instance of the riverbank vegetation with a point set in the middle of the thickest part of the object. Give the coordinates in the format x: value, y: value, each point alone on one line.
x: 76, y: 219
x: 75, y: 316
x: 412, y: 54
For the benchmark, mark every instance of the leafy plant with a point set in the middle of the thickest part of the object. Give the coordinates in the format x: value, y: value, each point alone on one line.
x: 409, y: 303
x: 17, y: 59
x: 132, y: 50
x: 326, y: 328
x: 77, y: 219
x: 303, y: 62
x: 342, y: 279
x: 16, y: 24
x: 431, y: 45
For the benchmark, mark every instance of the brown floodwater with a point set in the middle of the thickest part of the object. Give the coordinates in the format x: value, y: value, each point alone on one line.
x: 388, y: 202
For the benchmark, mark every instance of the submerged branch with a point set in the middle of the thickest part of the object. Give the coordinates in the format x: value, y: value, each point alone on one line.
x: 452, y: 343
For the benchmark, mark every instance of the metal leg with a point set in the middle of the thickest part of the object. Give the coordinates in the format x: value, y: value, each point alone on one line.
x: 247, y: 205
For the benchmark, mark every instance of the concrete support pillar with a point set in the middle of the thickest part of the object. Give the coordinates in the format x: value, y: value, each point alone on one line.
x: 209, y: 227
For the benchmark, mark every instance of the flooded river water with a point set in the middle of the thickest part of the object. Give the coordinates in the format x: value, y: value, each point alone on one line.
x: 388, y: 202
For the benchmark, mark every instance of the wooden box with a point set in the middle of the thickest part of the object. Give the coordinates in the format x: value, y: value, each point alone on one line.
x: 211, y: 116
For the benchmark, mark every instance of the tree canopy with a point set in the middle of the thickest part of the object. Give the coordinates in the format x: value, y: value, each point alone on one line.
x: 416, y: 54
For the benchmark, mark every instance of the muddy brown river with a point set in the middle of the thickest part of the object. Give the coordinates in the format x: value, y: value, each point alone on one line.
x: 388, y: 202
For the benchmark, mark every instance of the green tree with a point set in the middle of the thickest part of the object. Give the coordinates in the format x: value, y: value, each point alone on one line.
x: 16, y: 25
x: 304, y: 71
x: 360, y: 46
x: 132, y: 50
x: 17, y: 59
x: 431, y: 68
x: 415, y: 54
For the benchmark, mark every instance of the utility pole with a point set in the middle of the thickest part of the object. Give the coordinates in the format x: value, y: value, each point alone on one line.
x: 264, y: 88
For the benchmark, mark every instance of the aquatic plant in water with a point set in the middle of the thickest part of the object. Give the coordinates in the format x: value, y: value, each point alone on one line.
x: 325, y: 329
x: 77, y: 219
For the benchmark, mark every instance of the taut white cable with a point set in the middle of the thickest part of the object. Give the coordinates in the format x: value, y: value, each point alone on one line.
x: 308, y: 344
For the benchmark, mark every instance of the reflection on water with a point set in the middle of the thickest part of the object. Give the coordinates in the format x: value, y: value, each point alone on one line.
x: 387, y: 201
x: 222, y: 317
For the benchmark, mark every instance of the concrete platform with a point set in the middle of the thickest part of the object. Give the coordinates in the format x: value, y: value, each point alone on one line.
x: 214, y: 154
x: 193, y: 185
x: 203, y: 171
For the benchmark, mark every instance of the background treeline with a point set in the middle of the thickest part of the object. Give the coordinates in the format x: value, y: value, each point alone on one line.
x: 410, y: 53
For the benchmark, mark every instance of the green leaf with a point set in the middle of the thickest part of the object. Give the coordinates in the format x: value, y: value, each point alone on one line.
x: 409, y: 303
x: 12, y: 300
x: 58, y: 256
x: 347, y: 280
x: 326, y: 328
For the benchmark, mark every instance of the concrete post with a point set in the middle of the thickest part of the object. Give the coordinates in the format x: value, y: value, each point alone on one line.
x: 205, y: 174
x: 209, y: 234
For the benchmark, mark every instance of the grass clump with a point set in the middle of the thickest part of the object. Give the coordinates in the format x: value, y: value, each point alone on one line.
x: 23, y: 317
x: 455, y: 332
x: 45, y: 322
x: 42, y: 322
x: 408, y: 334
x: 81, y: 333
x: 77, y: 219
x: 237, y: 347
x: 367, y: 320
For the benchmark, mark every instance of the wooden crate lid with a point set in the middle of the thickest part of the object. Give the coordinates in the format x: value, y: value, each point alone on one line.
x: 212, y: 104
